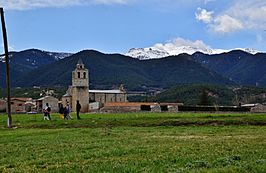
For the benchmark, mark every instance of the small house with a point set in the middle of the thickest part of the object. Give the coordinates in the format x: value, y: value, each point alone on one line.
x: 18, y: 105
x: 30, y: 106
x: 52, y: 101
x: 2, y: 105
x: 259, y: 108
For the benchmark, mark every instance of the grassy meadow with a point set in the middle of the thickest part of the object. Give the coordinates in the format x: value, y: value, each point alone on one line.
x: 135, y: 142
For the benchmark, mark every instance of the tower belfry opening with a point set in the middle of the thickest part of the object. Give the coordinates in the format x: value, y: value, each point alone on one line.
x: 80, y: 75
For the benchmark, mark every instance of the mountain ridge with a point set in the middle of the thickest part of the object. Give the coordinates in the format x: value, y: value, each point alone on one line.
x: 162, y: 52
x: 110, y: 70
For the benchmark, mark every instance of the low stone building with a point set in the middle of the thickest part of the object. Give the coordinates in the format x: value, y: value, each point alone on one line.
x: 259, y: 108
x: 140, y: 106
x: 18, y: 105
x: 2, y: 105
x: 155, y: 107
x: 104, y: 96
x: 52, y: 101
x: 30, y: 106
x: 173, y: 108
x: 95, y: 106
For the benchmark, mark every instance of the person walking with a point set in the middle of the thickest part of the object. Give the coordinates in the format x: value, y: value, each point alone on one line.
x: 45, y: 116
x: 68, y: 111
x: 66, y: 117
x: 78, y: 107
x: 61, y: 111
x: 47, y: 111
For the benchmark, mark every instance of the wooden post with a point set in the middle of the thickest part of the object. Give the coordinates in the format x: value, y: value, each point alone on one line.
x: 9, y: 120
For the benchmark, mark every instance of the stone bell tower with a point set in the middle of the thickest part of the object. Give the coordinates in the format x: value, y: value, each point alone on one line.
x: 80, y: 87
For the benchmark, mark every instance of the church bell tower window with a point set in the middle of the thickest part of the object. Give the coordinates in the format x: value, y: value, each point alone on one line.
x: 84, y: 75
x: 78, y: 74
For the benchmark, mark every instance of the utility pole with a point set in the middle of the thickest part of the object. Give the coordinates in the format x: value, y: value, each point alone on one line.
x: 9, y: 120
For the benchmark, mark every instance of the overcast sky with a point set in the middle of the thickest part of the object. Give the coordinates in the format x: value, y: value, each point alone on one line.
x: 118, y: 25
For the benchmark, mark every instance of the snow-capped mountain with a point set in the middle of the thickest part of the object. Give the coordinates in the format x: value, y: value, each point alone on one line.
x: 2, y: 58
x: 161, y: 52
x: 147, y: 53
x: 59, y: 55
x: 32, y: 54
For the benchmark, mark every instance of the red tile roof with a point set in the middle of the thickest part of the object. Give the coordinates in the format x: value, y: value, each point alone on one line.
x: 24, y: 99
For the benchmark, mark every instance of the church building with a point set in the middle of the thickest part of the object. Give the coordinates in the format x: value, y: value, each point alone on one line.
x: 79, y: 91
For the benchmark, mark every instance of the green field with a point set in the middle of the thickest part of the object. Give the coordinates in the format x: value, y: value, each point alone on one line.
x: 136, y: 142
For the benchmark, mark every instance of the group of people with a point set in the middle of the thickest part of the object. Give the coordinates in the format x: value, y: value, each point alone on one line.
x: 63, y: 111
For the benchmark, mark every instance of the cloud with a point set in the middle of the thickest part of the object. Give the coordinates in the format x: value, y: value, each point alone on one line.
x: 185, y: 42
x: 32, y: 4
x: 249, y: 15
x: 220, y: 23
x: 172, y: 45
x: 226, y: 24
x: 111, y: 1
x: 207, y: 1
x: 204, y: 15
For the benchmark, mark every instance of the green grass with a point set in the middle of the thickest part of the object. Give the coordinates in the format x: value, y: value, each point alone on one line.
x: 136, y: 142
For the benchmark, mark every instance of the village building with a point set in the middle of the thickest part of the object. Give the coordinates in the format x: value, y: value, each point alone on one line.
x: 258, y: 108
x: 18, y: 105
x: 95, y: 106
x: 79, y: 91
x: 140, y: 106
x: 30, y: 106
x: 104, y: 96
x: 52, y: 102
x: 2, y: 105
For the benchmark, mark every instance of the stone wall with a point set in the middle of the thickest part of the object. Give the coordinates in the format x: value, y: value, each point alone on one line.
x: 53, y: 103
x: 81, y: 94
x: 120, y: 109
x: 18, y: 106
x: 137, y: 106
x: 155, y: 108
x: 172, y: 108
x: 2, y: 105
x: 259, y: 109
x: 95, y: 106
x: 108, y: 97
x: 66, y: 99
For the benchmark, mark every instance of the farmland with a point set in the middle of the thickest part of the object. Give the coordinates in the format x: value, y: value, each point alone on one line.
x: 135, y: 142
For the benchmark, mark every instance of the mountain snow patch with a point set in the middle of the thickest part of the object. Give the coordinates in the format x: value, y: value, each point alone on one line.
x: 176, y: 47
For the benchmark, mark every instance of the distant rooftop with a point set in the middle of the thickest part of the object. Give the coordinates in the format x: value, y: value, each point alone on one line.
x: 45, y: 97
x: 107, y: 91
x: 21, y: 99
x: 80, y: 61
